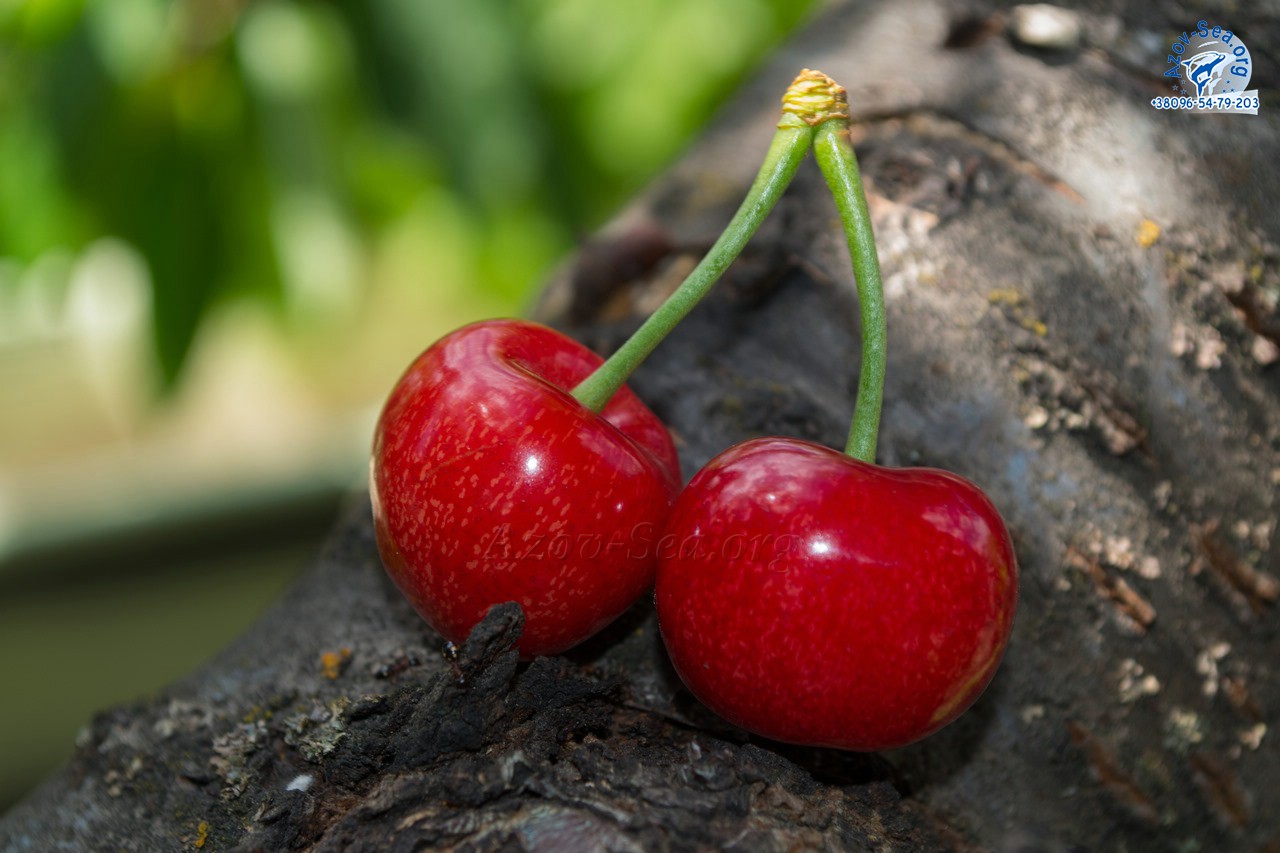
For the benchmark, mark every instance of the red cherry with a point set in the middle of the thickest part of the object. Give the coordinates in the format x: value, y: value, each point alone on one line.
x: 815, y: 599
x: 490, y: 483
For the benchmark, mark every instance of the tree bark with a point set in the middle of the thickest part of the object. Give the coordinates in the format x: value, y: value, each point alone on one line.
x: 1082, y: 308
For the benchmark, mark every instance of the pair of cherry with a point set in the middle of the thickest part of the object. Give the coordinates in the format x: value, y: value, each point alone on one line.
x: 804, y: 594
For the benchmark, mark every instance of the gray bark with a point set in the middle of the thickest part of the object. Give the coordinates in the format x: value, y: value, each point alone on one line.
x: 1118, y: 398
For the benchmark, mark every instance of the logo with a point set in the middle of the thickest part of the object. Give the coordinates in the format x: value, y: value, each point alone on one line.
x: 1209, y: 70
x: 1204, y: 70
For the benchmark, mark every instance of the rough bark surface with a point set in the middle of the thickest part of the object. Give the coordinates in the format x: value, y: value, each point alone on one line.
x: 1112, y: 385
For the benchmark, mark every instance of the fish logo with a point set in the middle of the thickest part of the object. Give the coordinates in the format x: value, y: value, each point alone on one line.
x: 1205, y: 70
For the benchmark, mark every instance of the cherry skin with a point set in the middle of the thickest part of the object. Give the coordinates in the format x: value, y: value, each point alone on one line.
x: 815, y: 599
x: 490, y: 483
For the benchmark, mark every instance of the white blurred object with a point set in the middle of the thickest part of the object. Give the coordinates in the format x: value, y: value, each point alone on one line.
x: 107, y: 312
x: 1046, y: 27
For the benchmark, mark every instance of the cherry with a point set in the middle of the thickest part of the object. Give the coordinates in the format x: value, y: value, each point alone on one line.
x: 491, y: 483
x: 813, y: 597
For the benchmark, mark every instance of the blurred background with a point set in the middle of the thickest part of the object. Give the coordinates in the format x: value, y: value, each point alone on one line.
x: 225, y: 228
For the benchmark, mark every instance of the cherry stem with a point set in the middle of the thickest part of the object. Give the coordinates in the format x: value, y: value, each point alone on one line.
x: 834, y: 153
x: 814, y: 112
x: 803, y: 106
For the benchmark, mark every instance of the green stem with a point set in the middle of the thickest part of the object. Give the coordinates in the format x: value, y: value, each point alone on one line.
x: 789, y: 146
x: 815, y: 112
x: 834, y: 153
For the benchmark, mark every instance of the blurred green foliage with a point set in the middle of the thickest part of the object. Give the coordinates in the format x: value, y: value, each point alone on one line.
x: 257, y: 149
